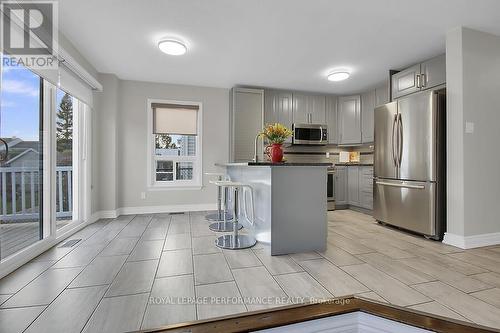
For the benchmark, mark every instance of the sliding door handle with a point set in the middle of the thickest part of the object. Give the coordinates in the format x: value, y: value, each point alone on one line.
x: 417, y: 187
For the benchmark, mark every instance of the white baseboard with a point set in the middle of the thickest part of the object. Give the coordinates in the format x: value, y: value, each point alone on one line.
x: 470, y: 242
x: 165, y: 209
x: 110, y: 214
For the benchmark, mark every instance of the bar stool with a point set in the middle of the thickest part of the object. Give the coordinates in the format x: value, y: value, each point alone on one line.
x: 220, y: 215
x: 235, y: 241
x: 224, y: 226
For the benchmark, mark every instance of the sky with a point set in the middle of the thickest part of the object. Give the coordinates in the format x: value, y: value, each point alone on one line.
x: 19, y: 104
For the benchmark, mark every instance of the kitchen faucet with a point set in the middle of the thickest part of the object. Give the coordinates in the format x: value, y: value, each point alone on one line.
x: 255, y: 156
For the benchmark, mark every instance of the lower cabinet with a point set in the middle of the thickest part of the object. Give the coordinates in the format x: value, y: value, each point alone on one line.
x: 366, y: 187
x: 354, y: 186
x: 340, y: 185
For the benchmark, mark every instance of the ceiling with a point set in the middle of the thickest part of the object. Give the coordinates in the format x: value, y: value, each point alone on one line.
x: 290, y: 44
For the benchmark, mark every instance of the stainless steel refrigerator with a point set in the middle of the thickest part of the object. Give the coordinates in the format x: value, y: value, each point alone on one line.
x: 410, y: 163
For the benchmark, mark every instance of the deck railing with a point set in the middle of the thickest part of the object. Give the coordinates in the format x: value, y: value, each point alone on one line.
x: 20, y: 193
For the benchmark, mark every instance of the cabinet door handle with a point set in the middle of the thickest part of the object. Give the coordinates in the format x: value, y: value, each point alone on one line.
x: 423, y: 81
x: 418, y: 80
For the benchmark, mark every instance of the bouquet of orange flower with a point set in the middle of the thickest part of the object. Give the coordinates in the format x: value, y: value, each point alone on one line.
x: 276, y: 133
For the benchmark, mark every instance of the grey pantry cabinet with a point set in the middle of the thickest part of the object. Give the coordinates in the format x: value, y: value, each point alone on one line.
x: 425, y: 75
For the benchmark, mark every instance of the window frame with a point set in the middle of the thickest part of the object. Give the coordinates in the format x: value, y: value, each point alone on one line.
x: 197, y: 160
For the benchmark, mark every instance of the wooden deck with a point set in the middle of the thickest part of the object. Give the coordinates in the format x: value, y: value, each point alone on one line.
x: 16, y: 236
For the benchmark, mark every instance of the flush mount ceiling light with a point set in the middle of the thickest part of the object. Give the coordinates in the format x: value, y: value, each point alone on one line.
x: 338, y: 76
x: 172, y: 47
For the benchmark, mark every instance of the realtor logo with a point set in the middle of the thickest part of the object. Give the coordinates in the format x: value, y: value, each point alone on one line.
x: 29, y: 34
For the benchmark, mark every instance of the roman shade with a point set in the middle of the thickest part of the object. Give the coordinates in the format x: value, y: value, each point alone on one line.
x: 175, y: 119
x: 70, y: 76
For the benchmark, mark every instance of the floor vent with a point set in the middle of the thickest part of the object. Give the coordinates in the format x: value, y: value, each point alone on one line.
x: 70, y: 243
x: 177, y: 213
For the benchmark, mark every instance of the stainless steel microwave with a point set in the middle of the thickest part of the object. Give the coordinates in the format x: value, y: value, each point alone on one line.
x: 309, y: 134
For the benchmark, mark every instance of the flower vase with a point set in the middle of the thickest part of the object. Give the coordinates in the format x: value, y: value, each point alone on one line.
x: 275, y: 152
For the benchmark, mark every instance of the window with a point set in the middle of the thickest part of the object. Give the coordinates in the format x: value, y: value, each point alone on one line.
x: 175, y: 154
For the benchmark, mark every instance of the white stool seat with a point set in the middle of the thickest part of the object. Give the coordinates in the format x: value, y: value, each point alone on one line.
x: 221, y: 214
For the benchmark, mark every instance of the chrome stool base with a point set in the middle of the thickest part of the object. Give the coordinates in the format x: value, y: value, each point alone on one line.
x: 219, y: 216
x: 235, y: 242
x: 223, y: 226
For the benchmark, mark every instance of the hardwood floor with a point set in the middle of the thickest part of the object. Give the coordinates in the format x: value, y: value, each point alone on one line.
x: 148, y: 270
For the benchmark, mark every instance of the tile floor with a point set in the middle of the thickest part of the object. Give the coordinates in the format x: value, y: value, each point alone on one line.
x: 144, y: 271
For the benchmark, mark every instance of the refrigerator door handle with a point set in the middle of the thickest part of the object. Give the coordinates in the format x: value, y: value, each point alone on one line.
x: 417, y: 187
x: 394, y: 158
x: 400, y: 139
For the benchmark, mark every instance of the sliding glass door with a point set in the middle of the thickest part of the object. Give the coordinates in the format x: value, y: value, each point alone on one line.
x: 22, y: 160
x: 66, y: 180
x: 42, y: 160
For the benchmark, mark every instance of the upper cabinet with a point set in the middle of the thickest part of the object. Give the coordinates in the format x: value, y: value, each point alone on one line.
x: 317, y: 109
x: 278, y: 108
x: 368, y: 100
x: 247, y: 117
x: 405, y: 82
x: 300, y: 107
x: 331, y: 119
x: 382, y: 94
x: 421, y: 76
x: 349, y: 119
x: 433, y: 72
x: 309, y: 109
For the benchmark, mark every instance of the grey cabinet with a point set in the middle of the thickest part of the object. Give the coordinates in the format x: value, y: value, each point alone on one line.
x: 300, y: 107
x: 367, y: 116
x: 278, y: 108
x: 317, y: 109
x: 246, y: 120
x: 428, y: 74
x: 406, y: 81
x: 349, y: 119
x: 359, y: 185
x: 353, y: 185
x: 366, y: 187
x: 331, y: 119
x: 309, y: 109
x: 340, y: 185
x: 382, y: 94
x: 433, y: 72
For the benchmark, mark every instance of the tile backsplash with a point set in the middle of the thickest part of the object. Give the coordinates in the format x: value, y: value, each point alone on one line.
x: 319, y: 153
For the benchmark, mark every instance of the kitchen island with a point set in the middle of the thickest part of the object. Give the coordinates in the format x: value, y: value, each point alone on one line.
x: 290, y: 204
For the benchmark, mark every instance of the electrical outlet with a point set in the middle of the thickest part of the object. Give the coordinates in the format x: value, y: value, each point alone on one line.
x: 143, y: 195
x: 469, y: 127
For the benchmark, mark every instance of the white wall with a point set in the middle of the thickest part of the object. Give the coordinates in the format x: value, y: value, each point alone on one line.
x: 120, y: 136
x: 473, y: 83
x: 104, y: 144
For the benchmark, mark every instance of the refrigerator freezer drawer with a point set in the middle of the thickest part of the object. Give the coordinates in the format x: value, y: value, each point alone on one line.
x: 406, y: 204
